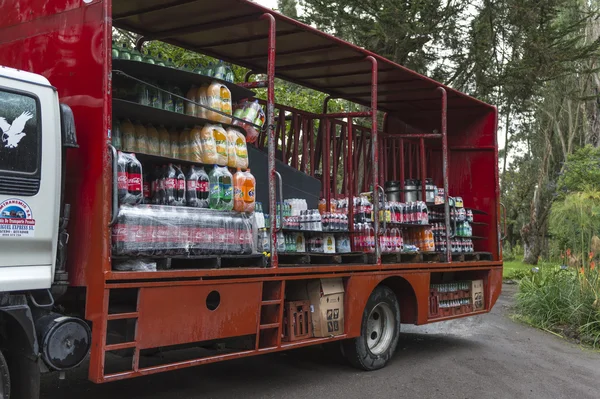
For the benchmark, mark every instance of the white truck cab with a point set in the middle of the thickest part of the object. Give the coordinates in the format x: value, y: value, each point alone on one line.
x: 35, y: 131
x: 30, y: 173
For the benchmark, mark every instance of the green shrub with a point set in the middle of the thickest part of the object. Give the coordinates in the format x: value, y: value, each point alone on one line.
x: 563, y: 300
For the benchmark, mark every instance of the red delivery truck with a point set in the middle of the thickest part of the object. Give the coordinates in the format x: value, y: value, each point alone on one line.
x: 146, y: 207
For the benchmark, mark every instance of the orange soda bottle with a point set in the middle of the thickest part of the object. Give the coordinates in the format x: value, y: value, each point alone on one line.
x: 249, y: 191
x: 238, y: 190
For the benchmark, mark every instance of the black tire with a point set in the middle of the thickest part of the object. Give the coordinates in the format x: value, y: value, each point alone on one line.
x: 372, y: 351
x: 4, y: 378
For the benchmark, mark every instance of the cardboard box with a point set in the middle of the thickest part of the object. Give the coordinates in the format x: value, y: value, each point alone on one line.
x: 326, y: 298
x: 327, y: 305
x: 477, y: 295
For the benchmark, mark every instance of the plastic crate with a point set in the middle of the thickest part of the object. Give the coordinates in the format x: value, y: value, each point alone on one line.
x: 297, y: 321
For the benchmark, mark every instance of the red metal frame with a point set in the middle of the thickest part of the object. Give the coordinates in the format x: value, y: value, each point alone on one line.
x: 89, y: 189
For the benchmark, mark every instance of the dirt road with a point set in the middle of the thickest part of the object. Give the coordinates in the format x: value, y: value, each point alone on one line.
x: 488, y: 356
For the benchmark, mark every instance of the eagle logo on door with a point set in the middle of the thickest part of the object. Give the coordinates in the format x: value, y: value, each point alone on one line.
x: 13, y: 134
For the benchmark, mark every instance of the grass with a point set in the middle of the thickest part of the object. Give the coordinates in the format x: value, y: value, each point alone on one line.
x: 564, y: 301
x: 512, y: 269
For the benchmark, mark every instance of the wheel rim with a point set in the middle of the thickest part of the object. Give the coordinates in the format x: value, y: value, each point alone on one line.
x: 380, y: 328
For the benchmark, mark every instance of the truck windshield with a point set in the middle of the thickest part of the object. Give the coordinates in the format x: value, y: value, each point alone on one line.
x: 20, y: 136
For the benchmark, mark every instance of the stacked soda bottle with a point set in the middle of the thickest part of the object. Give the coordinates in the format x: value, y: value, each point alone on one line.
x: 363, y: 239
x: 391, y: 240
x: 407, y: 213
x: 168, y: 186
x: 161, y: 230
x: 439, y: 235
x: 129, y: 179
x: 421, y: 239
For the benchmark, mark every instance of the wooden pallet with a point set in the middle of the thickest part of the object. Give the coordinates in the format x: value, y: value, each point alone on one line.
x: 185, y: 262
x: 300, y: 259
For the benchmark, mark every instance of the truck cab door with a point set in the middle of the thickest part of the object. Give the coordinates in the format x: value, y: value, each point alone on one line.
x: 30, y: 163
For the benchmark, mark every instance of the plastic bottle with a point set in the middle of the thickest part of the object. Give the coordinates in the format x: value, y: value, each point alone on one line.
x: 184, y: 144
x: 141, y: 138
x: 180, y: 187
x: 192, y: 188
x: 153, y: 140
x: 115, y: 50
x: 249, y: 191
x: 209, y: 70
x: 124, y: 53
x: 174, y: 143
x: 136, y: 55
x: 190, y: 107
x: 116, y: 134
x: 215, y: 187
x: 148, y: 58
x: 178, y: 102
x: 209, y: 150
x: 168, y: 102
x: 143, y: 94
x: 202, y: 188
x: 229, y: 76
x: 196, y: 153
x: 201, y: 97
x: 226, y: 186
x: 220, y: 71
x: 170, y: 182
x: 240, y: 149
x: 156, y: 96
x: 164, y: 141
x: 221, y: 143
x: 238, y: 191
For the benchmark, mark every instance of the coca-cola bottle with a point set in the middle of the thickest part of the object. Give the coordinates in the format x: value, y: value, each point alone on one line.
x: 170, y: 179
x: 134, y: 180
x: 202, y: 188
x: 146, y: 188
x: 192, y: 188
x: 180, y: 199
x: 122, y: 177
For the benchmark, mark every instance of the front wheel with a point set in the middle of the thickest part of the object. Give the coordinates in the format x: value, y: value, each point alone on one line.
x: 380, y: 332
x: 4, y: 378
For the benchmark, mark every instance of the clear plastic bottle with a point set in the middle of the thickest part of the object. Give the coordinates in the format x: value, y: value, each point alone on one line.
x: 164, y: 141
x: 124, y: 53
x: 141, y: 138
x: 221, y: 144
x: 174, y: 146
x: 190, y: 106
x: 116, y: 134
x: 153, y: 140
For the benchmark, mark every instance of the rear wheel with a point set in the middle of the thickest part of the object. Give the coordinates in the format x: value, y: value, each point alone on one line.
x: 4, y: 378
x: 380, y: 331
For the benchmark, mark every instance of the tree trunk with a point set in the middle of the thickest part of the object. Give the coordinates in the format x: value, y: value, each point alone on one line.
x: 532, y: 243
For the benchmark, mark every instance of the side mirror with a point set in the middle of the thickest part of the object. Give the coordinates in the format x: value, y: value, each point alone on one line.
x: 67, y: 127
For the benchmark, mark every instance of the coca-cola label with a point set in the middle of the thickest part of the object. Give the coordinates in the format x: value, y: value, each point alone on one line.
x: 184, y: 236
x: 120, y: 232
x: 203, y: 186
x: 181, y: 184
x: 134, y: 182
x: 229, y: 236
x: 122, y: 183
x: 146, y: 190
x: 192, y: 185
x: 170, y: 183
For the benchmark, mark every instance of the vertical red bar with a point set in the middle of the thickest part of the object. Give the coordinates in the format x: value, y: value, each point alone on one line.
x: 402, y: 170
x: 410, y: 161
x: 350, y: 178
x: 334, y: 148
x: 363, y: 157
x: 423, y: 167
x: 374, y: 144
x: 445, y: 171
x: 296, y: 124
x: 394, y: 161
x: 326, y: 165
x: 305, y: 152
x: 312, y: 143
x: 271, y: 135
